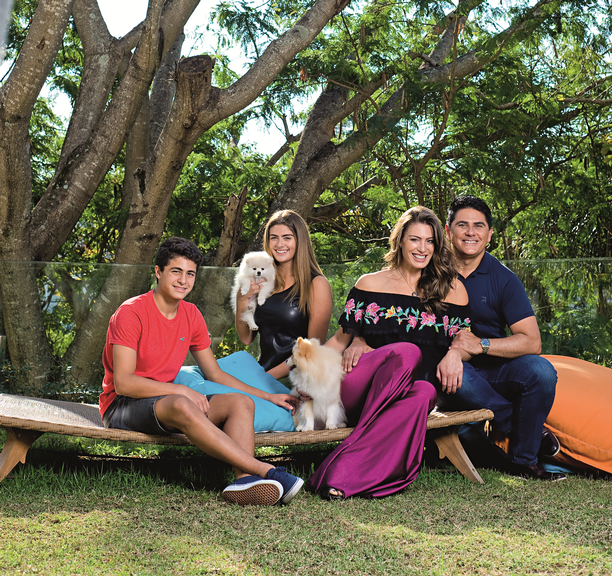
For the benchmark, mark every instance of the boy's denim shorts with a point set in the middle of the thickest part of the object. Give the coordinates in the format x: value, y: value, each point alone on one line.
x: 134, y: 414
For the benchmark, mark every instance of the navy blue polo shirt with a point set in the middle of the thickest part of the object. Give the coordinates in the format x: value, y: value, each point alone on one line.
x: 497, y: 298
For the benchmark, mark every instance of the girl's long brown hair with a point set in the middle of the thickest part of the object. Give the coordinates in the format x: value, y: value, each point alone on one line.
x: 439, y: 275
x: 304, y: 262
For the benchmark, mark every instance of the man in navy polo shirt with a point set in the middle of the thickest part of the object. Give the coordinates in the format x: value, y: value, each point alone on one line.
x: 506, y: 374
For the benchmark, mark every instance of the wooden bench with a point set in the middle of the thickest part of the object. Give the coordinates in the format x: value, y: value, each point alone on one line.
x: 26, y: 419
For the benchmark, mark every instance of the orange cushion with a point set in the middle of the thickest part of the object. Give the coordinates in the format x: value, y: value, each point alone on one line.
x: 580, y: 416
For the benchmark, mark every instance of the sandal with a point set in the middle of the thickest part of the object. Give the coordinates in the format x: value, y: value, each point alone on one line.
x: 334, y: 494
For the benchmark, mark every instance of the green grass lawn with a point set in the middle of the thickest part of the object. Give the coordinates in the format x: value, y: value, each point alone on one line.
x: 86, y: 507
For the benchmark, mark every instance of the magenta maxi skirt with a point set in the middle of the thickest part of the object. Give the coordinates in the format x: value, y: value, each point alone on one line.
x: 384, y: 452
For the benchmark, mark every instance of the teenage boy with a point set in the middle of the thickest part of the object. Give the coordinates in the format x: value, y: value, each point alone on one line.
x: 506, y: 373
x: 147, y: 342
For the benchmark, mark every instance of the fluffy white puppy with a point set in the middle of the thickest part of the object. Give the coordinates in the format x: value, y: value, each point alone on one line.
x: 258, y: 266
x: 317, y: 373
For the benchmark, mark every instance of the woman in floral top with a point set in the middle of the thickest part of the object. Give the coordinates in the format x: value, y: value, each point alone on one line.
x: 395, y: 334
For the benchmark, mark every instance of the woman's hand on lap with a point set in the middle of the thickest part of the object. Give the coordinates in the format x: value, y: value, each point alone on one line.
x: 353, y: 353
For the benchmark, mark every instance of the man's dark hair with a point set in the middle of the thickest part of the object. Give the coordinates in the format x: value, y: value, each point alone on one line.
x: 473, y: 202
x: 180, y: 247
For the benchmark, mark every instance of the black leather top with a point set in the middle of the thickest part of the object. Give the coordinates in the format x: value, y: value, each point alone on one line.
x: 280, y: 323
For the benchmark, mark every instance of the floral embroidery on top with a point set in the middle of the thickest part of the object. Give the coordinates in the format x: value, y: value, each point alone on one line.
x: 412, y: 317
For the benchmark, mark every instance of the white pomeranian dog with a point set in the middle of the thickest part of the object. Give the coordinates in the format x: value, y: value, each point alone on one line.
x: 317, y: 373
x: 257, y: 266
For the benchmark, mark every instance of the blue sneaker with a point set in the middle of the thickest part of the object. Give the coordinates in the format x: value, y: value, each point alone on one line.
x: 253, y: 491
x: 291, y: 484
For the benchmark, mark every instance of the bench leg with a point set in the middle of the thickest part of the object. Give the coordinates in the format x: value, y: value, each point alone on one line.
x: 18, y: 443
x: 450, y: 447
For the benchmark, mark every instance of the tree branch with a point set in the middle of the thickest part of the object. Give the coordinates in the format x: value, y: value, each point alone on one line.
x: 275, y: 57
x: 36, y: 57
x: 72, y: 188
x: 334, y: 209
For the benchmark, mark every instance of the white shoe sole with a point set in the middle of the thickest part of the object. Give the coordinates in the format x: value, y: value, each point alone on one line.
x: 293, y: 492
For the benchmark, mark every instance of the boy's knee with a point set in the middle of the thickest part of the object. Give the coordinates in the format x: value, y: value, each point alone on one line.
x: 177, y: 408
x: 181, y: 404
x: 245, y: 402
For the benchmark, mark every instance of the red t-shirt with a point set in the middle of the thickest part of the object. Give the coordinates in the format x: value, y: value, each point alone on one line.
x: 161, y: 345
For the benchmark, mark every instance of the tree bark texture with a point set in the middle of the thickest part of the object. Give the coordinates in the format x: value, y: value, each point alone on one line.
x: 71, y: 190
x: 84, y: 353
x: 23, y: 322
x: 232, y: 229
x: 95, y: 137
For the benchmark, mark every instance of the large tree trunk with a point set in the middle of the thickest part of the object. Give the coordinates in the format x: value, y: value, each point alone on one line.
x: 21, y: 309
x: 84, y: 354
x: 196, y: 107
x: 73, y: 187
x: 27, y: 341
x: 95, y: 137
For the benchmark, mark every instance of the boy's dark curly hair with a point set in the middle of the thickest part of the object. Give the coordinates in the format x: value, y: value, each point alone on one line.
x: 180, y: 247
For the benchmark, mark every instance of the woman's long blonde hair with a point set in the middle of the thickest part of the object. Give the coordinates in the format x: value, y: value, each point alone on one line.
x: 304, y: 262
x: 438, y: 276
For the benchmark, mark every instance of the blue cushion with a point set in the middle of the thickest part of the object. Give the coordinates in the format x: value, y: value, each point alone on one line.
x: 243, y: 366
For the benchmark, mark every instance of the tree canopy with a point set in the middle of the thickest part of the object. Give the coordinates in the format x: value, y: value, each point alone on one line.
x: 383, y: 106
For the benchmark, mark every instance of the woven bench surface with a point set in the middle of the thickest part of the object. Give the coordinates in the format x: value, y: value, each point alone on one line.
x: 74, y: 419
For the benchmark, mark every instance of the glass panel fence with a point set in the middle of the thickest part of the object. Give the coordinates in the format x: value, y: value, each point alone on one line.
x: 571, y: 298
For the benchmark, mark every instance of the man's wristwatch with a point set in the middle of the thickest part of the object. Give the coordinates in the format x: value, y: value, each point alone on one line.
x: 290, y: 363
x: 484, y: 342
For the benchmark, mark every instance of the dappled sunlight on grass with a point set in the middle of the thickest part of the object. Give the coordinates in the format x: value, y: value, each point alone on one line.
x: 192, y: 533
x: 486, y: 551
x: 77, y: 512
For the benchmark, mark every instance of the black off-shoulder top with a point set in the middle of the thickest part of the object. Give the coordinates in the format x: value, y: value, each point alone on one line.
x: 382, y: 318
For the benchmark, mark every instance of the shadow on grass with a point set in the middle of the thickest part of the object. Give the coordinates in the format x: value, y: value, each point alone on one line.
x: 186, y: 468
x: 160, y: 508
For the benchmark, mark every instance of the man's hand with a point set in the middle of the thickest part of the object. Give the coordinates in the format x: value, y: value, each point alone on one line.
x: 525, y: 339
x: 351, y: 355
x: 467, y: 341
x: 450, y: 372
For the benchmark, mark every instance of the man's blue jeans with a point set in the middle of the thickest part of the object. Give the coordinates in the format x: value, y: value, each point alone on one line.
x: 519, y: 391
